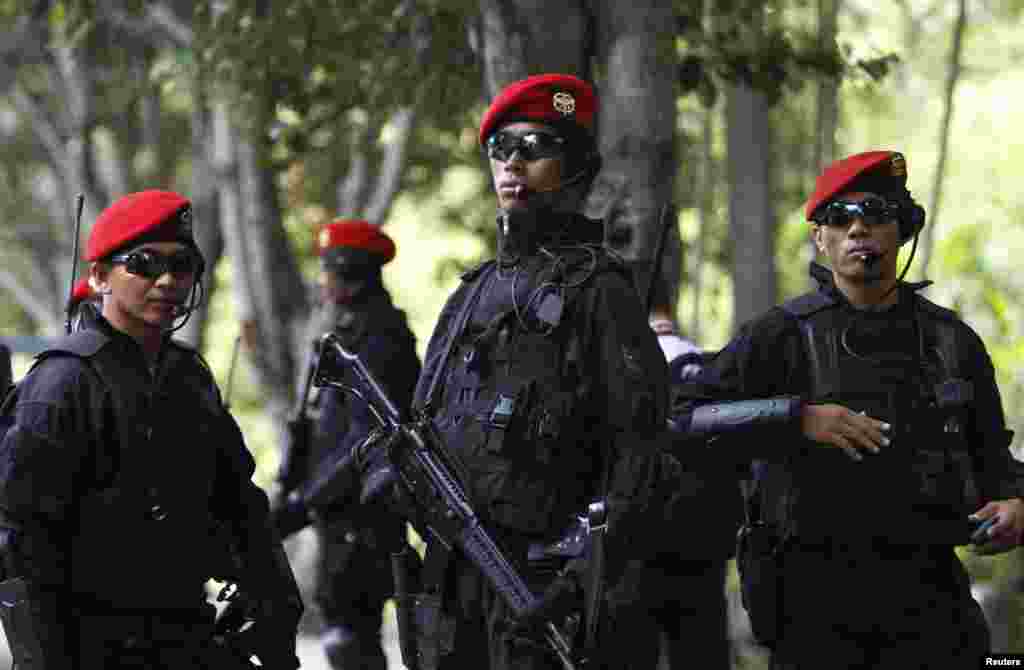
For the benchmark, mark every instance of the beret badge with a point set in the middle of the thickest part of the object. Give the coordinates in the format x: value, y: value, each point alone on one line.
x: 563, y: 103
x: 899, y: 165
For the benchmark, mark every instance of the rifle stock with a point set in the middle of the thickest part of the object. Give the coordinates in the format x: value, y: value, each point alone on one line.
x: 435, y: 482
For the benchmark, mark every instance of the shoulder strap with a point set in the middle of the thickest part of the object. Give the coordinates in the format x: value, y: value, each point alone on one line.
x: 937, y: 328
x: 480, y: 275
x: 807, y: 304
x: 819, y: 344
x: 929, y: 307
x: 84, y: 344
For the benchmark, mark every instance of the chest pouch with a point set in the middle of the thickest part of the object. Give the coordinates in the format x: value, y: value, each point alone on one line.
x: 941, y: 460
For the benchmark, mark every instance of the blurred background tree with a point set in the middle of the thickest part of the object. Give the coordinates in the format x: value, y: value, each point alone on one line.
x: 277, y: 116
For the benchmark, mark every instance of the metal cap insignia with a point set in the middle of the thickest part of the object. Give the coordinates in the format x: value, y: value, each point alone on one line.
x: 899, y: 165
x: 564, y: 103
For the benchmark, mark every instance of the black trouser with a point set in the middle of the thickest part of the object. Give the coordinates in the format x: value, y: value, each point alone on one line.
x: 354, y: 581
x: 879, y: 608
x: 675, y: 603
x: 693, y: 618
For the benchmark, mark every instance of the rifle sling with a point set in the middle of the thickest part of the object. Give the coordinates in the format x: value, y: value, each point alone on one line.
x: 482, y: 280
x: 438, y: 556
x: 454, y: 333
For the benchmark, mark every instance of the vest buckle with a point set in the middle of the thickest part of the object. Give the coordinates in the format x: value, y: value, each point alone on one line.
x: 504, y: 408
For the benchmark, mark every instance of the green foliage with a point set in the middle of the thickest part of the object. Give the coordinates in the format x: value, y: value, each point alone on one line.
x: 753, y: 43
x: 316, y: 61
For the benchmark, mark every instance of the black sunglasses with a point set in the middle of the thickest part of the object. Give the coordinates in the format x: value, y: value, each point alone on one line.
x: 872, y: 211
x: 151, y: 265
x: 530, y: 146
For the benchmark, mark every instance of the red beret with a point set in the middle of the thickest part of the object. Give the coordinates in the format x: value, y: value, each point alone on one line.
x: 838, y: 176
x: 355, y: 234
x: 136, y: 215
x: 82, y: 291
x: 542, y: 98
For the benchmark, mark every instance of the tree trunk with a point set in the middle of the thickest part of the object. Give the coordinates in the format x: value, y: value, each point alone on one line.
x: 637, y: 134
x: 827, y: 103
x: 751, y: 218
x: 67, y: 143
x: 269, y: 294
x: 205, y: 211
x: 524, y: 37
x: 357, y: 194
x: 952, y: 78
x: 705, y: 214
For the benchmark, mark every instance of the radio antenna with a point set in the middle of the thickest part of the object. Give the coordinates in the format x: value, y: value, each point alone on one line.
x: 79, y: 205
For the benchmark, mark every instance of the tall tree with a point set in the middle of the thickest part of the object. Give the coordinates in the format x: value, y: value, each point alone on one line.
x: 827, y: 93
x: 751, y: 208
x: 705, y: 219
x: 637, y: 57
x: 953, y: 71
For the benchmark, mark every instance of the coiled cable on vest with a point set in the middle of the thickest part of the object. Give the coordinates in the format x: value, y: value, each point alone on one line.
x: 559, y: 287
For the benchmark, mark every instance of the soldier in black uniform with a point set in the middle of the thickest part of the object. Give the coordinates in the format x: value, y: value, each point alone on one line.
x: 888, y: 434
x: 541, y: 373
x: 354, y: 572
x: 124, y: 483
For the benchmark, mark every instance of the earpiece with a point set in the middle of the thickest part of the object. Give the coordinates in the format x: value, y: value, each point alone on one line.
x: 911, y: 221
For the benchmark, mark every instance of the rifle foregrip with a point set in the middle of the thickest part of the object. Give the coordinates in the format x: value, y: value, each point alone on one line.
x: 481, y: 550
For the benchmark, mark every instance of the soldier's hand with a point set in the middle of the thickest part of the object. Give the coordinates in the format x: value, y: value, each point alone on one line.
x: 840, y: 427
x: 1008, y: 530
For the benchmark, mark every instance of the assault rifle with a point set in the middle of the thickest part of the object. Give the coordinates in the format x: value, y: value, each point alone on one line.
x: 434, y: 481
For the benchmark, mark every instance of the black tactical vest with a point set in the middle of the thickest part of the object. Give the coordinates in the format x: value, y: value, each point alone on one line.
x: 512, y: 405
x: 143, y: 535
x: 919, y: 489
